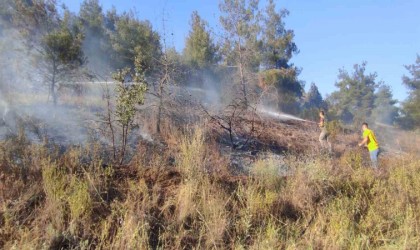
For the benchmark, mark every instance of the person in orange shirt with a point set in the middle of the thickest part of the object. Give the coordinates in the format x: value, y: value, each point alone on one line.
x: 369, y: 140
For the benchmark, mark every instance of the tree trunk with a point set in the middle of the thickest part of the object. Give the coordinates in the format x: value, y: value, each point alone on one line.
x: 242, y: 76
x: 53, y: 82
x: 124, y: 143
x: 111, y: 126
x: 159, y: 118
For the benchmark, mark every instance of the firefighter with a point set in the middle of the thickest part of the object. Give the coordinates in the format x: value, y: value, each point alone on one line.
x: 369, y: 141
x: 324, y: 135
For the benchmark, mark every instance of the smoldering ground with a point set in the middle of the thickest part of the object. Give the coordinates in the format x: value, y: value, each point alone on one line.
x: 25, y: 101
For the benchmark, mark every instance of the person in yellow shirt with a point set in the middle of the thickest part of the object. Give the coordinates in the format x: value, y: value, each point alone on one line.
x: 369, y: 140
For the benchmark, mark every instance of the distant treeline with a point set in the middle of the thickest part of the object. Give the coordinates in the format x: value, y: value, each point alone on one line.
x: 251, y: 52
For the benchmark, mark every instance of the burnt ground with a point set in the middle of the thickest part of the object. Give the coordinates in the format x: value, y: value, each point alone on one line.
x: 255, y: 136
x: 275, y: 138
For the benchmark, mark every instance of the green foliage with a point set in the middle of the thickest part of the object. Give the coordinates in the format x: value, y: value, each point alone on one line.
x: 354, y: 100
x: 134, y: 40
x: 240, y: 20
x: 352, y: 159
x: 334, y: 128
x: 289, y: 90
x: 79, y: 199
x: 63, y: 48
x: 54, y: 181
x: 56, y: 38
x: 128, y: 95
x: 312, y: 103
x: 313, y: 99
x: 200, y: 51
x: 130, y: 88
x: 277, y: 45
x: 241, y: 46
x: 92, y: 16
x: 35, y: 18
x: 62, y: 52
x: 411, y: 107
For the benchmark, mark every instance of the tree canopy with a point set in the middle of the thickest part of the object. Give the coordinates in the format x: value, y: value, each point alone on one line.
x: 251, y: 54
x: 200, y: 50
x: 354, y: 100
x: 411, y: 107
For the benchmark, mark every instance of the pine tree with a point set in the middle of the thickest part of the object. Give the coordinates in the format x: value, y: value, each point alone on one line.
x: 313, y: 99
x: 200, y: 50
x: 384, y: 110
x: 411, y: 106
x: 354, y: 100
x: 134, y: 40
x: 57, y: 41
x: 278, y: 45
x: 240, y: 20
x: 278, y: 48
x: 63, y: 54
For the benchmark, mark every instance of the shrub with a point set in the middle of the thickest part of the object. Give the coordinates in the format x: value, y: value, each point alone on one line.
x: 334, y: 128
x: 79, y: 199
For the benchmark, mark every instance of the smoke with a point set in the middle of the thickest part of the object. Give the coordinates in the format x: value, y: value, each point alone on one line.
x: 24, y: 96
x: 206, y: 92
x: 95, y: 49
x: 4, y: 108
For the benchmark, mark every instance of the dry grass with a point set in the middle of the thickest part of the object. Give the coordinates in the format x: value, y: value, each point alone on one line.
x: 173, y: 199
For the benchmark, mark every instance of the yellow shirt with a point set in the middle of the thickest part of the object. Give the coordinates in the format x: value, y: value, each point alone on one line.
x: 372, y: 143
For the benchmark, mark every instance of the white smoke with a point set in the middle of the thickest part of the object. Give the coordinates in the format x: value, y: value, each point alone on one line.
x: 4, y: 108
x: 24, y: 94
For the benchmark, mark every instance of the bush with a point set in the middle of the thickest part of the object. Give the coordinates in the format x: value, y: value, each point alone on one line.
x: 334, y: 128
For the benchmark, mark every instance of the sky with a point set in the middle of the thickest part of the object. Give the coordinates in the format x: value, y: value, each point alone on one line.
x: 330, y: 34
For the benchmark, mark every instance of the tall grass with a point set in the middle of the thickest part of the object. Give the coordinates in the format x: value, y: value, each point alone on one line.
x: 174, y: 200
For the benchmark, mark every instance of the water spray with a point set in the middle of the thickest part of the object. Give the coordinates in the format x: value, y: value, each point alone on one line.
x: 282, y: 116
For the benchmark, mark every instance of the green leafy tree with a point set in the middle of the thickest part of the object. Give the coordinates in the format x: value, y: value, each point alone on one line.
x: 277, y: 49
x: 384, y: 110
x: 200, y: 50
x: 63, y: 55
x: 54, y: 40
x: 134, y: 40
x: 411, y: 106
x: 130, y: 88
x: 35, y: 19
x: 354, y: 100
x: 240, y: 21
x: 91, y: 16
